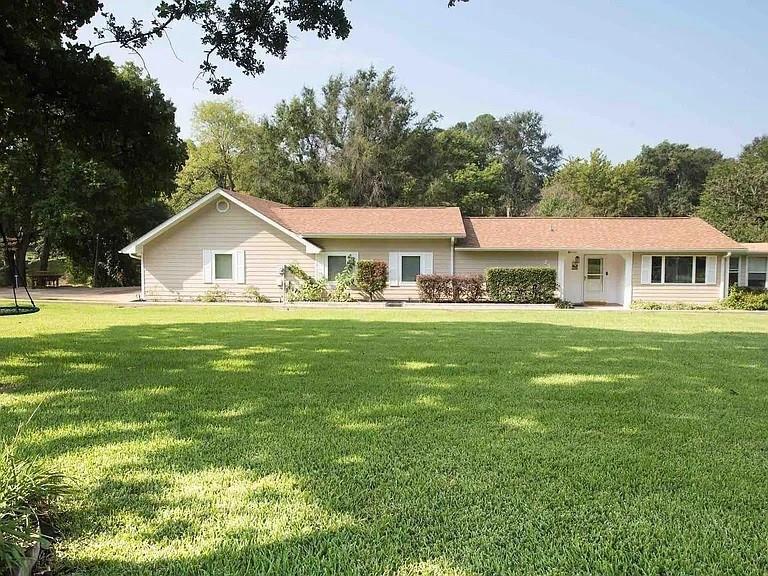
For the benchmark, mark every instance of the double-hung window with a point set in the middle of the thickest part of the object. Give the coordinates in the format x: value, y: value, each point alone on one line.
x: 757, y: 271
x: 336, y: 262
x: 734, y: 266
x: 682, y: 269
x: 410, y: 267
x: 222, y: 266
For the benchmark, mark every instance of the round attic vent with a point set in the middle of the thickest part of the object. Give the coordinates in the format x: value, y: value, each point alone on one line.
x: 222, y: 205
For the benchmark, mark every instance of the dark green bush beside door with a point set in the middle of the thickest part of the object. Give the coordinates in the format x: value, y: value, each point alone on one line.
x: 521, y: 285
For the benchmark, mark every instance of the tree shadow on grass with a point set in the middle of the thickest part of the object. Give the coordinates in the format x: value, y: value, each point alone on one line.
x: 339, y: 446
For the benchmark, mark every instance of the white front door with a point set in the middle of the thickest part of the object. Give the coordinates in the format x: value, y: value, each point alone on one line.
x: 594, y: 279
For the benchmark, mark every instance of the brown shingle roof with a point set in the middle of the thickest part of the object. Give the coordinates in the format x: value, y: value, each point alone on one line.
x: 757, y: 247
x: 311, y: 222
x: 664, y: 234
x: 269, y: 208
x: 375, y: 221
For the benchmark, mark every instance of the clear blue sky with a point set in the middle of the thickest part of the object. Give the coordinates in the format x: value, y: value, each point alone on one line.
x: 614, y: 75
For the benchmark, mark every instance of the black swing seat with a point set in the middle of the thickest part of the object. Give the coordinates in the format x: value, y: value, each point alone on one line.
x: 15, y: 309
x: 18, y: 310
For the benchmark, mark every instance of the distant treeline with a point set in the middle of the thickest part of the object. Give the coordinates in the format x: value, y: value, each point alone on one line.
x: 359, y: 142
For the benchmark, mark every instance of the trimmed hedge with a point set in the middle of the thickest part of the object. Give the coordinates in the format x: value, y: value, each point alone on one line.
x: 743, y: 298
x: 521, y: 285
x: 371, y: 278
x: 447, y: 288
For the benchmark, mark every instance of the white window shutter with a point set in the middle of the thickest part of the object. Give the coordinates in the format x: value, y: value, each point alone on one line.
x: 426, y: 263
x: 239, y: 266
x: 394, y: 268
x: 321, y: 263
x: 711, y: 275
x: 645, y: 270
x: 208, y: 266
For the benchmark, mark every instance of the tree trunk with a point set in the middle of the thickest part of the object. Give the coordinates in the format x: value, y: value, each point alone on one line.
x: 45, y: 253
x: 21, y: 260
x: 9, y: 266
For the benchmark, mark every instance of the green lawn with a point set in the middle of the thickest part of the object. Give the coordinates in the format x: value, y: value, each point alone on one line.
x: 224, y: 440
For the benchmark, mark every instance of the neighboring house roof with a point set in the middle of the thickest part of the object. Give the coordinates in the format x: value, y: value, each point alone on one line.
x: 756, y: 247
x: 369, y: 222
x: 662, y: 234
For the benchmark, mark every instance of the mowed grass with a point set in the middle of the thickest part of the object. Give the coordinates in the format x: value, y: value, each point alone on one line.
x: 226, y: 440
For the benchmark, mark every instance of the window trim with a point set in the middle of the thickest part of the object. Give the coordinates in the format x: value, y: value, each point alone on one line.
x: 764, y: 271
x: 215, y: 253
x: 348, y: 255
x: 693, y: 282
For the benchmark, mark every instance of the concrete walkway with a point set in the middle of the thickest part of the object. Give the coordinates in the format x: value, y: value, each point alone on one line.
x: 77, y: 294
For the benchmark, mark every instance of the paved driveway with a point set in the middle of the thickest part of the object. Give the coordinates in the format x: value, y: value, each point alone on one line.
x: 76, y: 293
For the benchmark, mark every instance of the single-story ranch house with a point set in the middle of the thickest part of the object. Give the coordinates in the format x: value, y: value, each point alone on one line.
x: 236, y: 241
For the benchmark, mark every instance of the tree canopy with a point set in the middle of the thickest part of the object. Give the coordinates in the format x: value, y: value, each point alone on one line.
x: 238, y: 31
x: 358, y: 141
x: 735, y: 197
x: 679, y: 173
x: 596, y: 187
x: 92, y: 172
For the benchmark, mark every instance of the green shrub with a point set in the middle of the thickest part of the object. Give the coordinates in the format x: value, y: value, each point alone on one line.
x: 252, y: 294
x: 214, y: 294
x: 304, y: 288
x: 344, y: 281
x: 521, y: 285
x: 563, y: 304
x: 371, y: 278
x: 28, y: 495
x: 648, y: 305
x: 448, y: 288
x: 744, y: 298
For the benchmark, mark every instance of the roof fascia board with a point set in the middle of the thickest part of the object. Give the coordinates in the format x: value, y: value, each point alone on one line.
x: 368, y: 235
x: 582, y: 249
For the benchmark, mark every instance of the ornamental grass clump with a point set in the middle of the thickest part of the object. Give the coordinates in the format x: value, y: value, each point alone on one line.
x: 29, y: 492
x: 344, y: 282
x: 304, y: 288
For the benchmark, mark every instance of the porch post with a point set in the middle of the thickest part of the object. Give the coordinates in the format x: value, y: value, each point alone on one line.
x: 627, y: 279
x: 724, y: 273
x: 561, y: 257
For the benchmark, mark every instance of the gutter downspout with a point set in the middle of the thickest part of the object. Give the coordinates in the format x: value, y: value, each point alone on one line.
x: 453, y: 249
x: 724, y: 280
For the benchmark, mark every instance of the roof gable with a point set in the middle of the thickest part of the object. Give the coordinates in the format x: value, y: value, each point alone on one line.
x: 135, y: 247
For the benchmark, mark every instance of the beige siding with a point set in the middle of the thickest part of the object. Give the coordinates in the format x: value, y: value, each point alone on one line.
x: 693, y: 293
x: 173, y: 262
x: 477, y: 262
x: 379, y: 249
